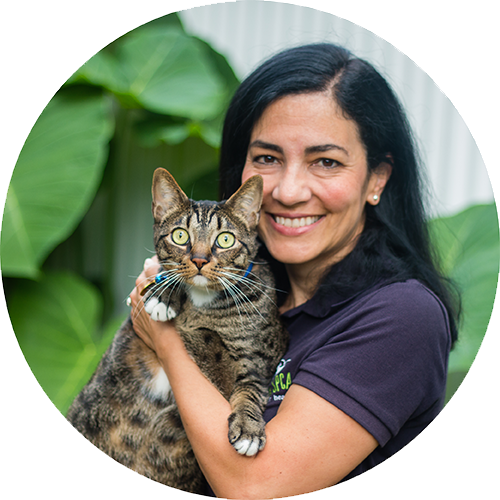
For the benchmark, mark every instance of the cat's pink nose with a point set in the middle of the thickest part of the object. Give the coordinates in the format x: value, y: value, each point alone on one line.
x: 199, y: 262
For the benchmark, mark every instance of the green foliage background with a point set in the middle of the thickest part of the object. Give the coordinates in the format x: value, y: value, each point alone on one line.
x: 77, y: 223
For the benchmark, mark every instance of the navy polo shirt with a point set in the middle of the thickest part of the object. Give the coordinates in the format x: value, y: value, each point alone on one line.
x: 381, y: 357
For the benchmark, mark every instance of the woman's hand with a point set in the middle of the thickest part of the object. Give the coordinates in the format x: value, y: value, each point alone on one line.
x: 154, y: 334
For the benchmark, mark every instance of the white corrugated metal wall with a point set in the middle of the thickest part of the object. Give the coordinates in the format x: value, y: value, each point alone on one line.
x: 249, y: 32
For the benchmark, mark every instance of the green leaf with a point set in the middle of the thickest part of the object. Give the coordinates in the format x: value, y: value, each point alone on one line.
x: 56, y: 323
x: 55, y: 178
x: 153, y: 131
x: 205, y: 186
x: 468, y: 245
x: 157, y: 129
x: 223, y: 67
x: 211, y: 131
x: 103, y: 70
x: 163, y: 70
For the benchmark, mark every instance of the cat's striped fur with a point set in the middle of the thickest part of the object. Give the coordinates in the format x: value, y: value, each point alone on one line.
x: 224, y: 307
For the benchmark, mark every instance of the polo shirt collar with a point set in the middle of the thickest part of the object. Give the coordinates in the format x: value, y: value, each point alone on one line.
x: 321, y: 308
x: 316, y: 308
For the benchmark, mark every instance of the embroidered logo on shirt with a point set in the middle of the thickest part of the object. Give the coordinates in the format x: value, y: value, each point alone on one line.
x: 281, y: 382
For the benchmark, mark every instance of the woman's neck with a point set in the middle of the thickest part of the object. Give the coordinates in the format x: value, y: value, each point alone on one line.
x: 303, y: 284
x: 305, y: 277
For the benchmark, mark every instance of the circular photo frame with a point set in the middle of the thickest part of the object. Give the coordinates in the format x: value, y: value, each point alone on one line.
x: 77, y: 221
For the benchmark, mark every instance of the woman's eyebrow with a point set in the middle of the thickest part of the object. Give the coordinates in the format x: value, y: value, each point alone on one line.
x: 325, y: 147
x: 266, y: 145
x: 309, y: 150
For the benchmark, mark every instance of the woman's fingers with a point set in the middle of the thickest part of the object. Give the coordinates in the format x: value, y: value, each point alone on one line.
x: 147, y: 275
x: 150, y: 269
x: 145, y: 328
x: 151, y: 266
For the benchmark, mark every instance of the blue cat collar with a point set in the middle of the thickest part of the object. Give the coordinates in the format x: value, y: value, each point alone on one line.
x: 160, y: 278
x: 249, y: 270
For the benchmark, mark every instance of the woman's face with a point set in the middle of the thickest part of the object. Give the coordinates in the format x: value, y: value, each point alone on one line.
x: 316, y: 180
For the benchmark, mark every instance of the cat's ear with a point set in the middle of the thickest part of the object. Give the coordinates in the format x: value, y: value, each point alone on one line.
x: 167, y: 195
x: 246, y: 202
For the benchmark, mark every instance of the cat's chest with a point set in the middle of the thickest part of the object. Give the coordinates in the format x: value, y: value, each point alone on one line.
x: 201, y: 296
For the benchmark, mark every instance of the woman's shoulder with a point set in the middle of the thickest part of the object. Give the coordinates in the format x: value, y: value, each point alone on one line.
x: 409, y: 307
x: 410, y: 296
x: 402, y: 309
x: 382, y: 355
x: 411, y: 289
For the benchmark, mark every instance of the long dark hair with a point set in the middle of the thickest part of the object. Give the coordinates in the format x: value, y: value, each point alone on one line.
x: 395, y: 244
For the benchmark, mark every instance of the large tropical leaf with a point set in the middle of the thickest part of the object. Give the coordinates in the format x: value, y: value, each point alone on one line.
x: 55, y: 178
x: 56, y: 321
x: 468, y: 244
x: 161, y: 69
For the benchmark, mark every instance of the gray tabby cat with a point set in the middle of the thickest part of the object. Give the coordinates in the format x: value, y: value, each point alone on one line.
x: 224, y: 308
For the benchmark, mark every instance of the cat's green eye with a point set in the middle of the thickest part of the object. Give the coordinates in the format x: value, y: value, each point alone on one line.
x: 180, y: 236
x: 225, y: 240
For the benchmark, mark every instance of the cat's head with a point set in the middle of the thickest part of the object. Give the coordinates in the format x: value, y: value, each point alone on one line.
x: 204, y: 243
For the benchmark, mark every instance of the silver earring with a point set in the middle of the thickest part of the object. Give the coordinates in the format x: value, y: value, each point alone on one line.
x: 375, y: 197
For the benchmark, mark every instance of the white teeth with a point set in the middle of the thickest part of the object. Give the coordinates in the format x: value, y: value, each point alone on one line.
x: 297, y: 222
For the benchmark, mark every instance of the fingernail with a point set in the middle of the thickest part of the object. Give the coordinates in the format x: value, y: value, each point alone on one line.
x: 147, y: 262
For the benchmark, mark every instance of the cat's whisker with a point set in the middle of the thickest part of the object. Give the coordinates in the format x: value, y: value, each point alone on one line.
x: 242, y: 296
x: 249, y: 283
x: 260, y: 281
x: 174, y: 280
x: 230, y: 272
x: 252, y: 284
x: 228, y: 288
x: 170, y: 276
x: 166, y: 273
x: 138, y: 310
x: 240, y: 277
x: 168, y: 263
x: 158, y: 289
x: 236, y: 300
x: 162, y: 272
x: 176, y: 287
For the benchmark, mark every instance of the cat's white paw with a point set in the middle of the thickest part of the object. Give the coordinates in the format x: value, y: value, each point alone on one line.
x: 171, y: 314
x: 248, y: 436
x: 159, y: 312
x: 248, y: 447
x: 150, y: 304
x: 156, y: 309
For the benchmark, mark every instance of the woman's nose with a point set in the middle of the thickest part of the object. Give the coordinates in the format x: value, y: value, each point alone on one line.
x: 292, y: 187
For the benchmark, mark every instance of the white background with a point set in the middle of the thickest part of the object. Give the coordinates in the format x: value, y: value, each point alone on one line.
x: 43, y: 43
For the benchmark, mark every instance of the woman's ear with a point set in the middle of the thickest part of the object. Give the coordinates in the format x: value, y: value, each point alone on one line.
x: 376, y: 184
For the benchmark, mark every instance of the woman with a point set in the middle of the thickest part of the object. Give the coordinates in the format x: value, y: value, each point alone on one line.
x: 371, y: 321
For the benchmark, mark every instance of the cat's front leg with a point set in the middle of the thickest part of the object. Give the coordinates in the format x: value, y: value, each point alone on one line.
x: 246, y: 424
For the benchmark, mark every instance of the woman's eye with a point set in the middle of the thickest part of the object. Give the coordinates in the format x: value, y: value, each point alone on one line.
x: 328, y: 162
x: 225, y: 240
x: 265, y: 159
x: 180, y: 236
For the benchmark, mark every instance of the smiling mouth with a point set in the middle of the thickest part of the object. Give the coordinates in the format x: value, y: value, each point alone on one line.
x: 297, y: 221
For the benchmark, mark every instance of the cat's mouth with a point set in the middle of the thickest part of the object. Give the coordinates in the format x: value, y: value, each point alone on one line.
x: 200, y: 280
